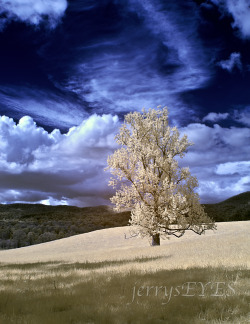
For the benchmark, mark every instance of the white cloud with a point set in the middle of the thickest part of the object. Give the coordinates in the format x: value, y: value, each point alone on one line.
x: 14, y: 139
x: 39, y: 166
x: 215, y: 117
x: 179, y: 34
x: 217, y: 149
x: 44, y: 106
x: 214, y: 145
x: 215, y: 191
x: 234, y: 61
x: 54, y: 202
x: 145, y: 74
x: 243, y: 116
x: 166, y: 24
x: 55, y: 168
x: 33, y: 12
x: 242, y: 167
x: 240, y: 11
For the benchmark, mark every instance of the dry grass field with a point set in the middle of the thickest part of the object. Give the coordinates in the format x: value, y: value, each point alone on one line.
x: 227, y: 246
x: 107, y: 276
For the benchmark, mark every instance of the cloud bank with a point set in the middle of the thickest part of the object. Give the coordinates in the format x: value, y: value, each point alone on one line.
x: 216, y: 147
x: 67, y: 168
x: 32, y: 12
x: 110, y: 57
x: 55, y: 168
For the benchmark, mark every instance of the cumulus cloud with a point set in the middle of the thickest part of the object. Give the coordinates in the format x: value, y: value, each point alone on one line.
x: 215, y: 117
x: 240, y: 11
x: 217, y: 147
x: 32, y: 12
x: 14, y: 139
x: 56, y: 168
x: 242, y: 167
x: 243, y: 116
x: 39, y: 166
x: 234, y: 61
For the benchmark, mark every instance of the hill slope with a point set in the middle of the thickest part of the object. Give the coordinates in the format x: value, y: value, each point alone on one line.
x: 236, y: 208
x: 28, y: 224
x: 227, y: 246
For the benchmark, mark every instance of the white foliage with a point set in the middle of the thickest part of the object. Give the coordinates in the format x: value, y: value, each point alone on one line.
x: 149, y: 180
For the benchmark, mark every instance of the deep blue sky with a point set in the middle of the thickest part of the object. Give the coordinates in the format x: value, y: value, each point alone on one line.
x: 75, y: 67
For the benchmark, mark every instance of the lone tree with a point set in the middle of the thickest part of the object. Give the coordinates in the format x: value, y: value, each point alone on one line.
x: 159, y: 192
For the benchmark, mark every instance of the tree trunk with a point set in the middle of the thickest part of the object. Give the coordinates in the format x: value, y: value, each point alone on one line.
x: 155, y: 239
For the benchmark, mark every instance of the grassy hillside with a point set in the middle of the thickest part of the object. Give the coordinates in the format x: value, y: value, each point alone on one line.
x: 28, y: 224
x: 62, y: 295
x: 103, y: 278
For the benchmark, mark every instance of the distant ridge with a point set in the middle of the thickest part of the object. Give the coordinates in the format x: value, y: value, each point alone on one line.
x: 242, y: 198
x: 236, y: 208
x: 28, y: 224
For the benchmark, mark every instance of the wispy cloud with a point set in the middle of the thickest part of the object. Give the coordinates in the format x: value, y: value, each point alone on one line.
x: 243, y: 116
x: 215, y: 117
x: 149, y: 63
x: 112, y: 57
x: 32, y: 12
x: 178, y: 32
x: 234, y: 61
x: 50, y: 108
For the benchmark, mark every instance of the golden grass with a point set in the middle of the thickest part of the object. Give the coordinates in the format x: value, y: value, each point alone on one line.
x: 66, y: 294
x: 228, y: 246
x: 89, y: 278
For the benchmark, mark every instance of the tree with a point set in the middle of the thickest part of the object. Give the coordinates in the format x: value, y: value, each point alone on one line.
x: 150, y: 181
x: 19, y: 237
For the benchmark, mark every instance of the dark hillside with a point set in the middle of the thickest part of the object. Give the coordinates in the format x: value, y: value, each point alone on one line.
x: 243, y: 199
x: 28, y: 224
x: 236, y: 208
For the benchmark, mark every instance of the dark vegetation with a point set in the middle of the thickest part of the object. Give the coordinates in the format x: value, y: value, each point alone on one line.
x: 28, y: 224
x: 236, y: 208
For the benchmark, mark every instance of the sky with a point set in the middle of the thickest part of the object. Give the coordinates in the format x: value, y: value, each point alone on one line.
x: 71, y: 69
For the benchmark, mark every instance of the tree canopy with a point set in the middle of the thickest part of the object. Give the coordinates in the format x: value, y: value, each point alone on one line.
x: 149, y: 180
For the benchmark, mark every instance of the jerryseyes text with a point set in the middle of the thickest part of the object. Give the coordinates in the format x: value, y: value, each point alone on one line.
x: 187, y: 289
